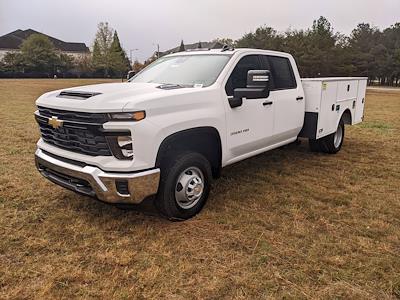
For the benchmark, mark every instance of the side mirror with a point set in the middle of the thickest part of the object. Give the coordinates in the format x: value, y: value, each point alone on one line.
x: 257, y: 87
x: 130, y: 74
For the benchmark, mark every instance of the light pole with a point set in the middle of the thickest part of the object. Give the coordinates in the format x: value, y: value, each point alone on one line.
x: 158, y: 49
x: 130, y: 52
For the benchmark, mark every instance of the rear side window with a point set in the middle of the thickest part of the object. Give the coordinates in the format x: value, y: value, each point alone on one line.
x: 282, y: 73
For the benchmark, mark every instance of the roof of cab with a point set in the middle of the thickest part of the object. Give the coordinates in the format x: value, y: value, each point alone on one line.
x: 230, y: 51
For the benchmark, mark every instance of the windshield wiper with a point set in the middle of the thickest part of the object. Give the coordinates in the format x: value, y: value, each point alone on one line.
x: 171, y: 86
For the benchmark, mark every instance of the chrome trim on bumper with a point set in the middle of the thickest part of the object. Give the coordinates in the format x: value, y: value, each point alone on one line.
x: 103, y: 184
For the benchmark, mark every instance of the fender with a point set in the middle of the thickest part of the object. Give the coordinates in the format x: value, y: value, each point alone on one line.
x: 204, y: 140
x: 347, y: 118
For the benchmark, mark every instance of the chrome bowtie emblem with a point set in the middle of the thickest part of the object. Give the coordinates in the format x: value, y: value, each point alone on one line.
x: 55, y: 122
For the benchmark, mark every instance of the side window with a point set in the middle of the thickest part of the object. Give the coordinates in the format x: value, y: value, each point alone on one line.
x: 238, y: 78
x: 282, y: 73
x: 267, y: 66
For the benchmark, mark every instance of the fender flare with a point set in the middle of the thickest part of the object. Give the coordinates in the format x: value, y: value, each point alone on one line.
x: 204, y: 140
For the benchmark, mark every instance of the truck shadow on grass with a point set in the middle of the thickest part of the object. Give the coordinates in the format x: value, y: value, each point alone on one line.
x: 284, y: 161
x: 290, y: 170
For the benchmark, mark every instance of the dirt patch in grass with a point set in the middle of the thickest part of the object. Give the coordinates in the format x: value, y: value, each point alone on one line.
x: 285, y: 224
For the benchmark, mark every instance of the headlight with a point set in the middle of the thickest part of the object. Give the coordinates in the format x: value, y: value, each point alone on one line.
x: 128, y: 116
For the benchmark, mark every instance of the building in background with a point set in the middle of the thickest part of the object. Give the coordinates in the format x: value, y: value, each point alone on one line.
x: 12, y: 42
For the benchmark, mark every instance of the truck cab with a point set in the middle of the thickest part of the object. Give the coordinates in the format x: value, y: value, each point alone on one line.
x: 170, y: 129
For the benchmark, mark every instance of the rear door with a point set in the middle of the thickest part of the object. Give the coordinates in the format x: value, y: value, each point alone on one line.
x: 287, y: 96
x: 360, y: 102
x: 250, y: 126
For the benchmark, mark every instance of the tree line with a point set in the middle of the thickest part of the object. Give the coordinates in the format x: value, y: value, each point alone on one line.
x: 39, y: 58
x: 319, y: 51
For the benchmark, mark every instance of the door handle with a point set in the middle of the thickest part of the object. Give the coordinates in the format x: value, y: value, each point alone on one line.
x: 299, y: 98
x: 267, y: 103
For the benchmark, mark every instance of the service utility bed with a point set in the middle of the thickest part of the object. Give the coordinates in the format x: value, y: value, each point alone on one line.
x: 326, y: 99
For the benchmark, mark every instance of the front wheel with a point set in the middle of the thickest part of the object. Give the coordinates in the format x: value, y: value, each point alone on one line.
x: 184, y: 186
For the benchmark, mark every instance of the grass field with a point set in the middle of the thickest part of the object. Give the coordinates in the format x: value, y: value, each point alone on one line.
x: 286, y: 224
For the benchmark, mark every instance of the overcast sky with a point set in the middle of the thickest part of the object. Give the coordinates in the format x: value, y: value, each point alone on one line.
x: 141, y: 24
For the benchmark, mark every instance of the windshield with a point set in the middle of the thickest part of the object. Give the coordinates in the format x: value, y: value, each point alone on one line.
x: 185, y: 70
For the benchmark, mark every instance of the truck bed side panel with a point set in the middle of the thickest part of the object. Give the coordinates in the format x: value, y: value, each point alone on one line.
x: 329, y: 98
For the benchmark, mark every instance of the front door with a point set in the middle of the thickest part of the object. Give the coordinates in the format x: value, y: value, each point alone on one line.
x: 249, y: 126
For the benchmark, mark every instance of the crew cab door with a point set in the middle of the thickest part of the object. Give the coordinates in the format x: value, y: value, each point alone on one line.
x: 249, y: 126
x: 287, y: 95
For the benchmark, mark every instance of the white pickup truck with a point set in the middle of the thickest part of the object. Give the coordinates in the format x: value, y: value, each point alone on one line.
x: 171, y: 128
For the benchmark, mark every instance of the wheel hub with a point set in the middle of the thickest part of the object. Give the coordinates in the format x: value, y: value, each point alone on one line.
x: 189, y: 187
x: 338, y: 137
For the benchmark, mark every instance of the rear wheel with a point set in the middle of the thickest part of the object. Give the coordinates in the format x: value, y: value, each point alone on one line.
x: 333, y: 142
x: 184, y: 185
x: 330, y: 144
x: 314, y: 145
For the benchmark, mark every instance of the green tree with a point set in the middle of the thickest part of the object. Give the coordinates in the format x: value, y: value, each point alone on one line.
x: 84, y: 64
x: 320, y: 45
x: 38, y: 54
x: 396, y: 67
x: 119, y: 62
x: 391, y: 40
x: 137, y: 66
x: 263, y: 38
x: 12, y: 62
x: 295, y: 43
x: 363, y: 40
x: 101, y: 48
x: 225, y: 41
x: 64, y: 62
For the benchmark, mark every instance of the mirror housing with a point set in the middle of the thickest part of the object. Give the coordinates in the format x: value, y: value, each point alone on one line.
x: 257, y: 87
x: 258, y: 79
x: 130, y: 74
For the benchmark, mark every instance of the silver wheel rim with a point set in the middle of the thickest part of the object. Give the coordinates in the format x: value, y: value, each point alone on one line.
x: 189, y: 187
x: 338, y: 137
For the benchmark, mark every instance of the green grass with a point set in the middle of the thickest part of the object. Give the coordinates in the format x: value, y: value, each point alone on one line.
x: 379, y: 126
x: 286, y: 224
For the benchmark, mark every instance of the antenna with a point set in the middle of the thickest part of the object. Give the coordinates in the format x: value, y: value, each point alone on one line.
x: 227, y: 48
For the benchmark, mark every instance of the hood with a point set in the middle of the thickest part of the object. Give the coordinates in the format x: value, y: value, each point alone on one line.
x: 106, y: 97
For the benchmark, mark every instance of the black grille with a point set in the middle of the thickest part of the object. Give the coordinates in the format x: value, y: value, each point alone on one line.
x: 73, y: 115
x: 80, y: 132
x: 67, y: 181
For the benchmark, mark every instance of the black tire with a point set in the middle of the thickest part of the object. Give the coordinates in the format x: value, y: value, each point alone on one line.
x: 314, y: 145
x: 330, y: 144
x: 172, y: 169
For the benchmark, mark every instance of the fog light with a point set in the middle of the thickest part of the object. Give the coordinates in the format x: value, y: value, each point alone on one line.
x: 122, y: 187
x: 121, y: 145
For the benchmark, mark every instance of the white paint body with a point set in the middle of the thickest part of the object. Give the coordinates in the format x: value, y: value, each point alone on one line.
x: 171, y: 111
x: 331, y: 97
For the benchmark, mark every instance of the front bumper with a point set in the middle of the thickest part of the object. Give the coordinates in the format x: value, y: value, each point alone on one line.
x: 94, y: 182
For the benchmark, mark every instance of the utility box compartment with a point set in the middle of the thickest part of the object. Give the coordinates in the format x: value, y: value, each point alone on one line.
x: 327, y: 99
